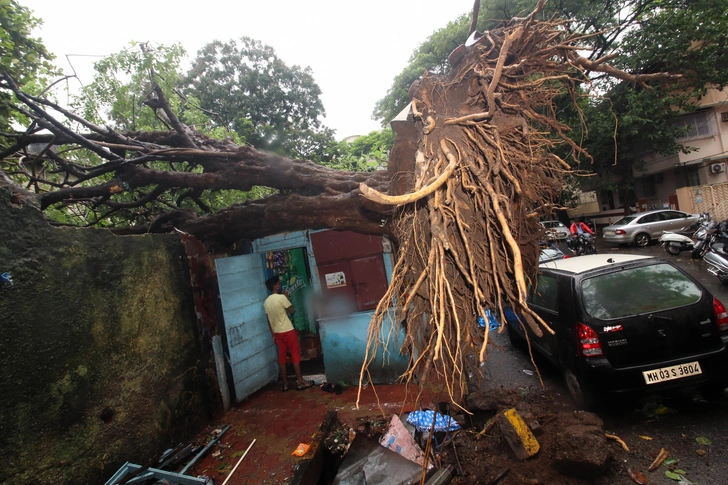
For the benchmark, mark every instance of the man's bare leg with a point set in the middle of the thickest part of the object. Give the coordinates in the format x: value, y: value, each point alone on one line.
x: 299, y: 378
x: 284, y: 375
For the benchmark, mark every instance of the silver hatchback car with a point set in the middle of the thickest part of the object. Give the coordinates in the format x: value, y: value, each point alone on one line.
x: 639, y: 229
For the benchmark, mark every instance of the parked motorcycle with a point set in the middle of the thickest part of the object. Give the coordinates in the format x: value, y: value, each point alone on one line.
x: 704, y: 240
x: 677, y: 242
x: 710, y: 248
x: 581, y: 244
x: 717, y: 262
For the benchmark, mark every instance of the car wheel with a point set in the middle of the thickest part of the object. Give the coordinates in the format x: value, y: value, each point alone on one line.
x: 583, y: 398
x: 642, y: 239
x: 673, y: 248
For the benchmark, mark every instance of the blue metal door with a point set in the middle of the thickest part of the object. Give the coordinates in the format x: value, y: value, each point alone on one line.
x: 253, y: 356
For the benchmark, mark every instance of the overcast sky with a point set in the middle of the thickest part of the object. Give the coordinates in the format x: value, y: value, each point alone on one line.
x: 354, y: 48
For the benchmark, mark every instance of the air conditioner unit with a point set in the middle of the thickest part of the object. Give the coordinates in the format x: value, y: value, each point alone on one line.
x: 724, y: 116
x: 717, y: 168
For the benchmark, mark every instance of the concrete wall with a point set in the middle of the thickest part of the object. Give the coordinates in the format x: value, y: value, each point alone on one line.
x: 99, y: 358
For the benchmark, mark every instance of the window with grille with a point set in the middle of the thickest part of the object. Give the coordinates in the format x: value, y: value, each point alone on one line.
x: 700, y: 124
x: 648, y: 186
x: 692, y: 178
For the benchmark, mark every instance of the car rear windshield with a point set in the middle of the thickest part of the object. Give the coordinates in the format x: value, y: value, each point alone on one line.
x: 638, y: 290
x: 624, y: 221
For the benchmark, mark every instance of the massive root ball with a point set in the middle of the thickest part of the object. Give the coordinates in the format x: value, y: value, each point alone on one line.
x: 483, y: 174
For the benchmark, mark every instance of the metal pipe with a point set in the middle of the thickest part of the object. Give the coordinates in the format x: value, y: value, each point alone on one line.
x: 204, y: 450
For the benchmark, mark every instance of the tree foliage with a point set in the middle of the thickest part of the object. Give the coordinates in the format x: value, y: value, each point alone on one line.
x: 123, y: 85
x: 22, y: 56
x: 248, y: 89
x: 630, y: 121
x: 365, y: 154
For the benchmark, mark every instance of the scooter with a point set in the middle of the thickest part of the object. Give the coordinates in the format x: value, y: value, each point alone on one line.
x: 675, y: 242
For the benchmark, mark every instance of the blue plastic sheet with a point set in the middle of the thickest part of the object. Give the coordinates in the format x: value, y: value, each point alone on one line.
x: 6, y: 278
x: 422, y: 420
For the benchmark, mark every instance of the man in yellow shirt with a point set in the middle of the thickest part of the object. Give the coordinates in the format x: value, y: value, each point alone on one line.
x: 277, y: 308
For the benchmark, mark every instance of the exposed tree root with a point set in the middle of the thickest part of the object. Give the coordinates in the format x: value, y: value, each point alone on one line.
x: 484, y: 172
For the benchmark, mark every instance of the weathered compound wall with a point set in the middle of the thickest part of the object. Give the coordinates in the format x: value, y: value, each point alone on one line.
x: 99, y: 358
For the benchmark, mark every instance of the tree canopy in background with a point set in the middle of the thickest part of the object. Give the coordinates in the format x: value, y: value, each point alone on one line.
x: 630, y: 121
x: 22, y: 56
x: 248, y: 89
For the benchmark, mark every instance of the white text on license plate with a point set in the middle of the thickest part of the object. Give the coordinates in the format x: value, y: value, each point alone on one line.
x: 673, y: 372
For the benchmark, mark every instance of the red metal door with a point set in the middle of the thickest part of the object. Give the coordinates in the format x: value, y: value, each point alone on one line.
x: 350, y: 267
x: 369, y: 281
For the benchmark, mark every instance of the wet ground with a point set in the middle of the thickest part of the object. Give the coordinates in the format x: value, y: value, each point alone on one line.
x: 693, y: 430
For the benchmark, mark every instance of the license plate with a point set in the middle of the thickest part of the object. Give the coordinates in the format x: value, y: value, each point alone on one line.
x: 673, y: 372
x: 609, y: 233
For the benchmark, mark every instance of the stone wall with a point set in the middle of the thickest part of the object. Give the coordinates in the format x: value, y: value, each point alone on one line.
x: 99, y: 358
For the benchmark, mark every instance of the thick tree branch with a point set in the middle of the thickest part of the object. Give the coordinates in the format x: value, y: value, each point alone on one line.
x: 55, y: 125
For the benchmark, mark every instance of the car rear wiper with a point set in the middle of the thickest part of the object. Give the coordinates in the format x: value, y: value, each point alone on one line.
x: 652, y: 316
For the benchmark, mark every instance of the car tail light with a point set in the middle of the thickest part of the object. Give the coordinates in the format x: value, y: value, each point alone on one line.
x: 620, y: 232
x: 587, y: 344
x: 721, y: 315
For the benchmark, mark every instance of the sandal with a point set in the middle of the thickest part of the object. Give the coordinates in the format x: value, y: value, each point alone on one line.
x: 304, y: 385
x: 284, y: 387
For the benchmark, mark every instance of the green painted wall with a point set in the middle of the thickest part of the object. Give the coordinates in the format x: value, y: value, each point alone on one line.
x: 99, y: 357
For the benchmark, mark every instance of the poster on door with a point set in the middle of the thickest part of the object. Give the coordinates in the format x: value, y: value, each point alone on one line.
x: 335, y: 280
x: 291, y: 266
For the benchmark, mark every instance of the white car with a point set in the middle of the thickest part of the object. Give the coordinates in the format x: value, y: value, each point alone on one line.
x: 556, y: 229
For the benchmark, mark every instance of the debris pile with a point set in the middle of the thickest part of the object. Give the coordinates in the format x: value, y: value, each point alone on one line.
x: 503, y: 438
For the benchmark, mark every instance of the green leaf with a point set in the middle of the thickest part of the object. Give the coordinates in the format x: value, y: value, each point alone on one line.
x: 703, y: 440
x: 679, y: 471
x: 670, y: 461
x: 672, y: 475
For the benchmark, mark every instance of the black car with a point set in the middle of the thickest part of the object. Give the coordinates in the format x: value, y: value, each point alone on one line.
x: 627, y: 324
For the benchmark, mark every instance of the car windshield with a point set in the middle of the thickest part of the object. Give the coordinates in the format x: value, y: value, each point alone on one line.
x: 624, y: 221
x: 635, y: 291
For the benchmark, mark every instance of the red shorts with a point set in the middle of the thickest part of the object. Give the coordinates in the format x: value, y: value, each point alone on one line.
x: 288, y: 342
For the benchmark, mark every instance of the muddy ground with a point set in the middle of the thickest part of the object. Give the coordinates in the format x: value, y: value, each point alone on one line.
x: 574, y: 449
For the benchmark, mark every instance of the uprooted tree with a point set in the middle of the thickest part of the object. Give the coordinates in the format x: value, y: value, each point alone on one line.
x: 462, y: 198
